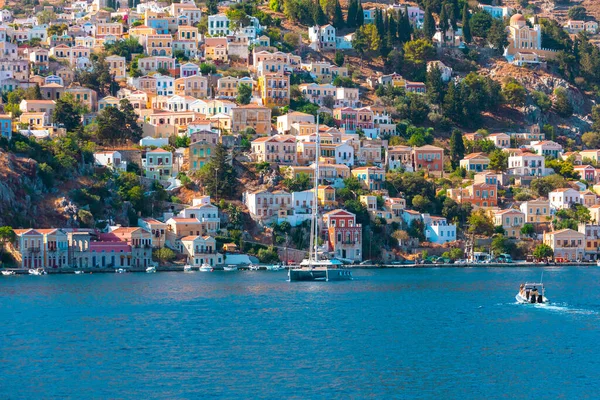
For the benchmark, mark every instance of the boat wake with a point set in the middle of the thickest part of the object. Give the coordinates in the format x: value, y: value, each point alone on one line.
x: 559, y: 308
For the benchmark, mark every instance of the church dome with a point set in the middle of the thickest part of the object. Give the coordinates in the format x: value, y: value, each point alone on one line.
x: 517, y: 19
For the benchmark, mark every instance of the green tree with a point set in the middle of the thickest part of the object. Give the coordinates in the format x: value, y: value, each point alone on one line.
x: 360, y: 15
x: 33, y: 93
x: 497, y: 36
x: 218, y: 175
x: 466, y: 24
x: 514, y: 93
x: 7, y: 235
x: 457, y: 148
x: 528, y: 230
x: 429, y: 28
x: 164, y: 255
x: 543, y: 252
x: 404, y: 26
x: 418, y: 52
x: 244, y: 95
x: 500, y: 245
x: 212, y: 7
x: 319, y: 16
x: 562, y: 104
x: 351, y: 16
x: 443, y: 24
x: 541, y: 100
x: 498, y: 160
x: 339, y: 58
x: 68, y: 112
x: 480, y: 24
x: 436, y: 89
x: 591, y: 139
x: 298, y: 184
x: 481, y: 224
x: 577, y: 13
x: 421, y: 204
x: 338, y: 16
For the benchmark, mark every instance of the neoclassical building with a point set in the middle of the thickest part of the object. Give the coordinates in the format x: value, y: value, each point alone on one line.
x: 525, y: 42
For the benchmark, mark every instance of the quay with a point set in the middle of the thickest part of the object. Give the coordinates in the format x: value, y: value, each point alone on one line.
x: 178, y: 268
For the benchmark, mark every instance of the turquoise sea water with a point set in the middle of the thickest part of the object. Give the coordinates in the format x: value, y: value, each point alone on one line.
x: 427, y: 333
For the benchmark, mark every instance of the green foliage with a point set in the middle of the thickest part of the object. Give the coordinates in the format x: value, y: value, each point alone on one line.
x: 429, y: 28
x: 68, y: 112
x: 164, y: 255
x: 208, y: 68
x: 497, y: 36
x: 543, y: 252
x: 481, y: 22
x: 98, y: 77
x: 339, y: 58
x: 528, y: 230
x: 554, y: 36
x: 217, y: 175
x: 346, y: 82
x: 366, y: 40
x: 416, y: 54
x: 299, y: 11
x: 498, y: 160
x: 244, y: 94
x: 436, y: 88
x: 457, y: 148
x: 118, y: 126
x: 514, y: 93
x: 541, y: 100
x: 577, y: 13
x: 543, y: 186
x: 124, y: 48
x: 501, y: 245
x: 464, y: 102
x: 268, y: 255
x: 456, y: 212
x: 562, y: 104
x: 591, y: 139
x: 481, y: 224
x: 298, y: 184
x: 420, y: 137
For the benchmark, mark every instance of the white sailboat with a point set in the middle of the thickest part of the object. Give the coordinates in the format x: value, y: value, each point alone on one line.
x: 313, y: 269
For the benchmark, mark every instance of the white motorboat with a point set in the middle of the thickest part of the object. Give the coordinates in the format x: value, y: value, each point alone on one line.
x: 150, y: 270
x: 120, y: 271
x: 230, y: 268
x: 531, y: 293
x: 8, y: 273
x: 206, y: 268
x: 253, y: 267
x: 187, y: 268
x: 37, y: 271
x: 598, y: 263
x: 79, y: 272
x: 275, y: 267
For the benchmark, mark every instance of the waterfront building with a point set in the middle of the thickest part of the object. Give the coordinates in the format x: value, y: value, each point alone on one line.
x: 568, y: 245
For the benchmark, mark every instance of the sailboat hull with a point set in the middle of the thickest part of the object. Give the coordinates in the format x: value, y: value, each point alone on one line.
x: 321, y: 274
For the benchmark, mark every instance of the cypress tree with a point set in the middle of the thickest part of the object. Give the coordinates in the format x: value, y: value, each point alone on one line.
x: 352, y: 10
x: 392, y: 29
x: 338, y: 16
x: 379, y: 22
x: 319, y: 17
x: 444, y: 23
x: 457, y: 148
x: 466, y: 25
x: 404, y: 27
x: 428, y: 24
x: 360, y: 15
x: 386, y: 38
x: 454, y: 12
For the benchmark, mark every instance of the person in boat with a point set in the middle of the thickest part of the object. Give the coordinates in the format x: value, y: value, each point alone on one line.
x: 522, y: 290
x: 534, y: 292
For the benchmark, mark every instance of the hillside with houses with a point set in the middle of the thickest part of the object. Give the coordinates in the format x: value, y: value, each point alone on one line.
x: 206, y: 133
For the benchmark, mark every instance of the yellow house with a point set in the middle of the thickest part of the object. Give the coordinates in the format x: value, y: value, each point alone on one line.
x: 568, y: 245
x: 536, y: 211
x: 117, y: 66
x: 326, y: 195
x: 34, y: 120
x: 274, y: 89
x: 159, y: 45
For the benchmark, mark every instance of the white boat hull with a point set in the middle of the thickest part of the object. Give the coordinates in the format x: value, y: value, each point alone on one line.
x: 150, y: 270
x: 8, y: 273
x: 37, y: 272
x: 523, y: 300
x: 205, y: 268
x: 188, y: 268
x: 230, y: 268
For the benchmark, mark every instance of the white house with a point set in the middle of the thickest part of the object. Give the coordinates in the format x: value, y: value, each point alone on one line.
x: 188, y: 69
x: 500, y: 140
x: 564, y: 198
x: 322, y: 37
x: 547, y: 148
x: 527, y: 164
x: 110, y: 159
x: 437, y: 229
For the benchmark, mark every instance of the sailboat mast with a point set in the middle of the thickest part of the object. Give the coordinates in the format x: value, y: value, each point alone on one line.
x: 315, y: 221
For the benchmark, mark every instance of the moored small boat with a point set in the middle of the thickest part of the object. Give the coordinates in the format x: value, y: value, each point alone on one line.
x: 531, y: 293
x: 37, y: 271
x: 8, y: 273
x: 187, y: 268
x: 205, y: 268
x: 253, y: 267
x: 79, y: 272
x: 230, y: 268
x: 120, y: 271
x: 150, y: 270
